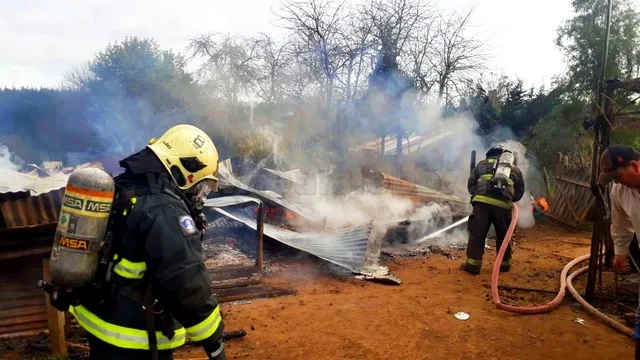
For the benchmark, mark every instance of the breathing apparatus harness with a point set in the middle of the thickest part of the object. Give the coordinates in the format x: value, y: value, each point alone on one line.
x: 103, y: 290
x: 502, y: 168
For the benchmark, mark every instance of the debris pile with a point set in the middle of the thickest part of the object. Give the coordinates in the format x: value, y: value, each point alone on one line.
x: 293, y: 221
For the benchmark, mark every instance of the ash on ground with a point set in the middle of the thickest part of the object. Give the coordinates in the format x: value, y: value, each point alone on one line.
x: 39, y: 346
x: 413, y: 250
x: 218, y: 255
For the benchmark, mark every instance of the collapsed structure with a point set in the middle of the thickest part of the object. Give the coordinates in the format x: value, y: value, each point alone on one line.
x: 30, y: 202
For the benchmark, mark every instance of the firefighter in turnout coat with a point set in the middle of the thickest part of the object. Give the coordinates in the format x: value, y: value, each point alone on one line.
x: 490, y: 206
x: 159, y: 295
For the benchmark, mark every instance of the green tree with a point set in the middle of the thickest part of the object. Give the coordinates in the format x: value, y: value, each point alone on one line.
x: 581, y: 40
x: 136, y: 91
x: 560, y: 131
x: 514, y: 106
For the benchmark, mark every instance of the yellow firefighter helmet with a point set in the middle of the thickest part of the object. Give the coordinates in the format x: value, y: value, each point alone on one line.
x: 188, y: 154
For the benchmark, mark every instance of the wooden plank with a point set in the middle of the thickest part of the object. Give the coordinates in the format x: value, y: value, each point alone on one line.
x: 20, y: 333
x: 576, y: 182
x: 55, y: 318
x: 24, y: 253
x: 260, y: 232
x: 12, y: 304
x: 546, y: 181
x: 570, y: 208
x: 23, y: 319
x: 29, y: 310
x: 9, y: 330
x: 238, y: 294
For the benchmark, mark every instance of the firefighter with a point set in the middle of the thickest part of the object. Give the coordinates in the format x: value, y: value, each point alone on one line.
x: 490, y: 206
x: 159, y: 292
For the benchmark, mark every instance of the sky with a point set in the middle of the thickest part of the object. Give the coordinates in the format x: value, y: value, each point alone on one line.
x: 42, y: 40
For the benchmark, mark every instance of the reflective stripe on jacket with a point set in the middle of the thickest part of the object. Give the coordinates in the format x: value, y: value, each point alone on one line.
x: 479, y: 185
x: 158, y: 243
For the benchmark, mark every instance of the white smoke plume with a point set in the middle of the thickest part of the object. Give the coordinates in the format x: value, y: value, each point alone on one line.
x: 359, y: 207
x: 529, y: 173
x: 6, y: 159
x: 432, y: 217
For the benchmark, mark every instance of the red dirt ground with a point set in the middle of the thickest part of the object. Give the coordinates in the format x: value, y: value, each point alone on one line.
x: 353, y: 319
x: 334, y: 317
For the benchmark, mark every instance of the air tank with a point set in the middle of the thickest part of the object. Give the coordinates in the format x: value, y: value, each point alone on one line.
x: 82, y: 225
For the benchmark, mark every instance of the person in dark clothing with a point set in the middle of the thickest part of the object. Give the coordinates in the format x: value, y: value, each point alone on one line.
x: 490, y: 206
x: 159, y: 295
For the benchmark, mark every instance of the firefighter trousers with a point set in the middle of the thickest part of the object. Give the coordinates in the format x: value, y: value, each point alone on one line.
x: 102, y: 350
x: 480, y: 220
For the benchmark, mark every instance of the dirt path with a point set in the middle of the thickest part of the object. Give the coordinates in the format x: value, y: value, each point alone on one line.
x: 346, y: 318
x: 333, y: 317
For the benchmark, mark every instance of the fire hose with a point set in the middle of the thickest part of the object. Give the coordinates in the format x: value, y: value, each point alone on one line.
x: 566, y: 282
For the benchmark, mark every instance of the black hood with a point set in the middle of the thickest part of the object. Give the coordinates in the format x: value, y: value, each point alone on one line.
x: 143, y: 162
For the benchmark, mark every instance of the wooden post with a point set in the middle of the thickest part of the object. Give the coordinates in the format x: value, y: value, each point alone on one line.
x: 260, y: 229
x: 55, y: 318
x: 546, y: 181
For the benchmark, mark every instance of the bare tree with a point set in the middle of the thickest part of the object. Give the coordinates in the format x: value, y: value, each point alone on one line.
x: 359, y: 53
x: 455, y: 54
x: 396, y: 22
x: 274, y: 72
x: 78, y: 78
x: 230, y: 64
x: 418, y: 57
x: 317, y: 26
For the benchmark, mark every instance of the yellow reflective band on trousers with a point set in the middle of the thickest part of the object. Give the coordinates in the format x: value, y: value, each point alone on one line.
x: 121, y: 336
x: 492, y: 201
x: 206, y: 327
x: 128, y: 269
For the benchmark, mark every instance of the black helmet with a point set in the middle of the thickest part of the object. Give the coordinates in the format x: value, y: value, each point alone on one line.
x: 495, y: 151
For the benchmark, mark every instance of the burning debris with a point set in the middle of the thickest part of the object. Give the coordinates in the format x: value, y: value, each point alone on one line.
x: 540, y: 204
x: 350, y: 231
x: 346, y: 248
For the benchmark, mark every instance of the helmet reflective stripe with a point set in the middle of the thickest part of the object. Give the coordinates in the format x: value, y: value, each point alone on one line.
x: 188, y: 154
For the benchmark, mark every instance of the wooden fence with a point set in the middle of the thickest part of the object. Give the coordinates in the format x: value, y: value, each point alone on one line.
x: 571, y: 199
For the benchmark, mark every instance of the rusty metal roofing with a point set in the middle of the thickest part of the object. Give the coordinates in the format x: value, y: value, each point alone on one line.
x: 10, y: 196
x: 406, y: 189
x: 32, y: 211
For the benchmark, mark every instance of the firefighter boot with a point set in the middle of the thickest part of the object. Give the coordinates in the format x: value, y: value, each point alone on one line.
x: 472, y: 266
x: 216, y: 352
x: 505, y: 266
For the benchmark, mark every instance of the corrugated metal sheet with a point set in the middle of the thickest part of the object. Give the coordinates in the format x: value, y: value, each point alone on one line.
x: 346, y: 248
x: 294, y: 176
x: 227, y: 179
x: 411, y: 144
x: 407, y: 189
x: 22, y: 304
x: 32, y: 211
x: 9, y: 196
x: 13, y: 181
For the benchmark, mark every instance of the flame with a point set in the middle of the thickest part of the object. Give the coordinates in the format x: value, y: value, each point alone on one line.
x: 543, y: 203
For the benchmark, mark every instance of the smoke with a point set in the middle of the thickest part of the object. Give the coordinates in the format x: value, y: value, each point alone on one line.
x: 8, y: 160
x: 359, y: 207
x: 432, y: 217
x: 531, y: 176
